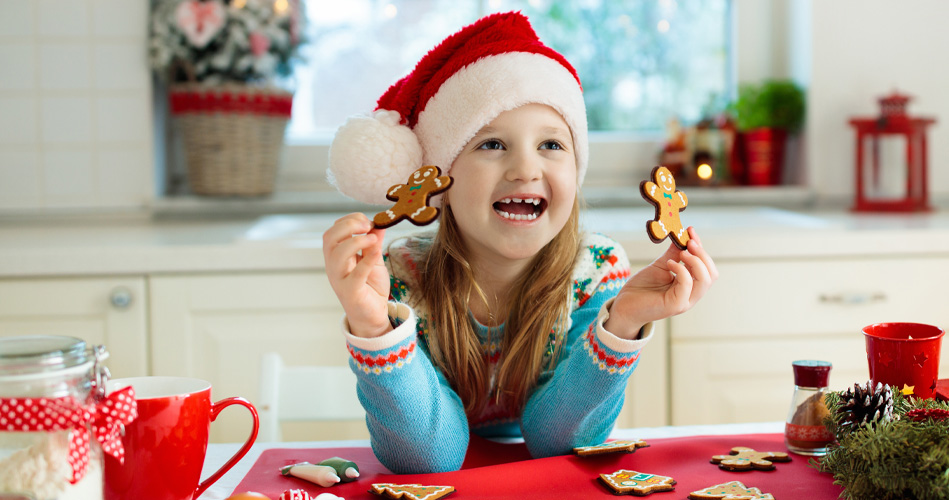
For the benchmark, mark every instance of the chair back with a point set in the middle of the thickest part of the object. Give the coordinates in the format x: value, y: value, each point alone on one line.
x: 304, y: 393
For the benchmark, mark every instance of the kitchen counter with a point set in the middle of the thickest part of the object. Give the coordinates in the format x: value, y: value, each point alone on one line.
x: 141, y: 245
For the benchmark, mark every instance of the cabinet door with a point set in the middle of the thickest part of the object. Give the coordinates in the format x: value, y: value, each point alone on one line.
x: 732, y: 353
x: 107, y: 311
x: 217, y: 328
x: 647, y: 392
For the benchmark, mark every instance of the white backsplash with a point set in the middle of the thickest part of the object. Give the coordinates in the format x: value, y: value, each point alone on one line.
x: 76, y: 121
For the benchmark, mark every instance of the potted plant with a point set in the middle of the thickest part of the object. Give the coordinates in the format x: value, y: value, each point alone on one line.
x: 766, y: 113
x: 220, y: 59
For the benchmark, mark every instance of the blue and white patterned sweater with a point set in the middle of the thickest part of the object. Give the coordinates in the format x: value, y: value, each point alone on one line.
x: 417, y: 422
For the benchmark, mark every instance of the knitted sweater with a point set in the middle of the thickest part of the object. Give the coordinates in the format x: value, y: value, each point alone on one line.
x: 417, y: 422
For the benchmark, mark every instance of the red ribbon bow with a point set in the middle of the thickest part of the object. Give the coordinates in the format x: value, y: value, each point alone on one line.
x: 55, y: 414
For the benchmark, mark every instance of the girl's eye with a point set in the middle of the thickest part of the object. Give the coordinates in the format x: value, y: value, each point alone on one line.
x: 551, y: 145
x: 491, y: 144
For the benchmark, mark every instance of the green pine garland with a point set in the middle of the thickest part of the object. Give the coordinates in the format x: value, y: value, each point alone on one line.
x: 896, y: 459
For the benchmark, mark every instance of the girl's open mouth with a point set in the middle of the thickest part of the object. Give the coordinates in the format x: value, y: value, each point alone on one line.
x: 520, y: 208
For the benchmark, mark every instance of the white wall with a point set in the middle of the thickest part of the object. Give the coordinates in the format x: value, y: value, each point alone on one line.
x: 75, y: 105
x: 861, y: 50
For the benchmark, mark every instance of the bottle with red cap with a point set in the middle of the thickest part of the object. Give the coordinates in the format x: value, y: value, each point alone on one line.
x: 804, y: 432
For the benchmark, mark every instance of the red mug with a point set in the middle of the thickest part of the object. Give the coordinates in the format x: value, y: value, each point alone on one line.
x: 166, y: 445
x: 905, y: 355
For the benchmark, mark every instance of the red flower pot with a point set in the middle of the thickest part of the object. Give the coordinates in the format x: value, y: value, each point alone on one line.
x: 764, y: 156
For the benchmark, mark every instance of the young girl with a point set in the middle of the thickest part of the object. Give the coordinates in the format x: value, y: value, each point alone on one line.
x: 506, y: 320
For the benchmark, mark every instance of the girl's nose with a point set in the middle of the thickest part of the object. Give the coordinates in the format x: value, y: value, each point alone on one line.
x: 523, y: 166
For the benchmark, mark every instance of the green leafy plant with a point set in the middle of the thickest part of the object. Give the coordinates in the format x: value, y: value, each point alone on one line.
x: 903, y: 457
x: 776, y: 104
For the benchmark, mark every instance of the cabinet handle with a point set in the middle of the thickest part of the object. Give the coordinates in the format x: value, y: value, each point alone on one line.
x: 121, y: 297
x: 852, y: 299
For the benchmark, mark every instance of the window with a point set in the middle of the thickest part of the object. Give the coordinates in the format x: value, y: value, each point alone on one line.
x: 641, y: 62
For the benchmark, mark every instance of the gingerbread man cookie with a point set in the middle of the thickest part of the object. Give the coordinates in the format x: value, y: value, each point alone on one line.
x: 669, y: 201
x: 744, y: 459
x: 630, y: 482
x: 628, y: 446
x: 411, y: 198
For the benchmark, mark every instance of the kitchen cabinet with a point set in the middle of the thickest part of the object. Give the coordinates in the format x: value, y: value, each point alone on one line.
x: 110, y: 311
x: 731, y: 354
x: 217, y: 326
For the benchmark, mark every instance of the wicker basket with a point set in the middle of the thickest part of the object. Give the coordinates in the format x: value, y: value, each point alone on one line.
x: 233, y: 136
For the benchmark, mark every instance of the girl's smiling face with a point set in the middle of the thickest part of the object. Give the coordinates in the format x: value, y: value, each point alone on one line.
x: 515, y: 184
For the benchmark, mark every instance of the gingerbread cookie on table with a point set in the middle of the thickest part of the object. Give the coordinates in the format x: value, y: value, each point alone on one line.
x: 630, y: 482
x: 628, y: 446
x: 669, y: 201
x: 411, y: 199
x: 732, y: 490
x: 410, y: 491
x: 745, y: 459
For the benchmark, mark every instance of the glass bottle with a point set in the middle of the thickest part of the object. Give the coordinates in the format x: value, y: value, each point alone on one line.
x: 804, y: 432
x: 33, y: 463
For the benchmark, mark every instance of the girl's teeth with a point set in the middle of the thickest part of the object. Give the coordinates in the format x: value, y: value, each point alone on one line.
x: 516, y: 216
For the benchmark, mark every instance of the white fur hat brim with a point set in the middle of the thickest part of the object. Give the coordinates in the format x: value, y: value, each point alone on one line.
x: 370, y: 154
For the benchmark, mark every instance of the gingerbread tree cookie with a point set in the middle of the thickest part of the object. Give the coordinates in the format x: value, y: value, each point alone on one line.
x: 411, y: 199
x: 669, y: 201
x: 744, y: 459
x: 410, y: 491
x: 628, y: 446
x: 630, y: 482
x: 732, y: 490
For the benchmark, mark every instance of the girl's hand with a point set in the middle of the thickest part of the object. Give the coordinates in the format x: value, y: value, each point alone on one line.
x: 352, y: 250
x: 671, y: 285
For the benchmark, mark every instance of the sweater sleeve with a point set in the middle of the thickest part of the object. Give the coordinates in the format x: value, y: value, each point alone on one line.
x: 577, y: 404
x: 416, y: 422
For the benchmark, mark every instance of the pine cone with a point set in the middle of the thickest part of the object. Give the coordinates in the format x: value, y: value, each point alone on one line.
x: 863, y: 406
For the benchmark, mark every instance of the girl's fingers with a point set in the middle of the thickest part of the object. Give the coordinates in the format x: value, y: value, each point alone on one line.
x: 671, y: 253
x: 344, y: 228
x: 682, y: 287
x: 371, y: 257
x: 700, y: 273
x: 344, y: 257
x: 699, y: 251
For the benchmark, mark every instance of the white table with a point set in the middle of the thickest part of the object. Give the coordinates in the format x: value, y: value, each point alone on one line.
x: 219, y: 453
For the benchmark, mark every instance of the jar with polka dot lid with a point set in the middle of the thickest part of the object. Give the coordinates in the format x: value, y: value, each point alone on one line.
x: 50, y: 427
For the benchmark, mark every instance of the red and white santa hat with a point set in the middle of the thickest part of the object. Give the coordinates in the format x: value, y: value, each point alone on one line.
x: 427, y: 117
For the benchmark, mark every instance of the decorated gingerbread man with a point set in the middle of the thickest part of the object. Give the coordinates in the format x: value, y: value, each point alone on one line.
x: 412, y: 198
x: 669, y: 201
x: 743, y: 459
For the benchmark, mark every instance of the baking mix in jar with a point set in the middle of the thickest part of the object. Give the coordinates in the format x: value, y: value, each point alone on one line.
x: 804, y: 431
x: 54, y: 418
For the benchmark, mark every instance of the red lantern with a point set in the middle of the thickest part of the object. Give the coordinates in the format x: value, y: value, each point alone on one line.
x: 891, y: 151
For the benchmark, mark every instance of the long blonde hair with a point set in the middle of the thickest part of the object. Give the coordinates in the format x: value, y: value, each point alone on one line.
x: 538, y: 306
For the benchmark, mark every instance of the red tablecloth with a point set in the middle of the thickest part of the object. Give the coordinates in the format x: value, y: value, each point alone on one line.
x: 505, y: 471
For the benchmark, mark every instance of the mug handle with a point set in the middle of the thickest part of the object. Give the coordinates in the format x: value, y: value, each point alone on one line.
x: 215, y: 411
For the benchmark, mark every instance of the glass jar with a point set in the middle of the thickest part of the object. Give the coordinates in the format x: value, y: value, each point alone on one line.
x: 42, y: 378
x: 804, y: 432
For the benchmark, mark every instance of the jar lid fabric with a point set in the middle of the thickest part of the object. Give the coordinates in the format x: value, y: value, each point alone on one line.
x: 32, y: 354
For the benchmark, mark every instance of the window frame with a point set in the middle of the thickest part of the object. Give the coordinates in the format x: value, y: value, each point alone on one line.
x: 616, y: 157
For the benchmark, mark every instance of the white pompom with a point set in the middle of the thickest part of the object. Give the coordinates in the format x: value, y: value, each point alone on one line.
x: 372, y: 153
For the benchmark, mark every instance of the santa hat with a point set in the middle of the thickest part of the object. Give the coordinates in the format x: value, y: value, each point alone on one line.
x: 427, y: 117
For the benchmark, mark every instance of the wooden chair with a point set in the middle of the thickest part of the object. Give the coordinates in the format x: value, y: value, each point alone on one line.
x: 304, y: 393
